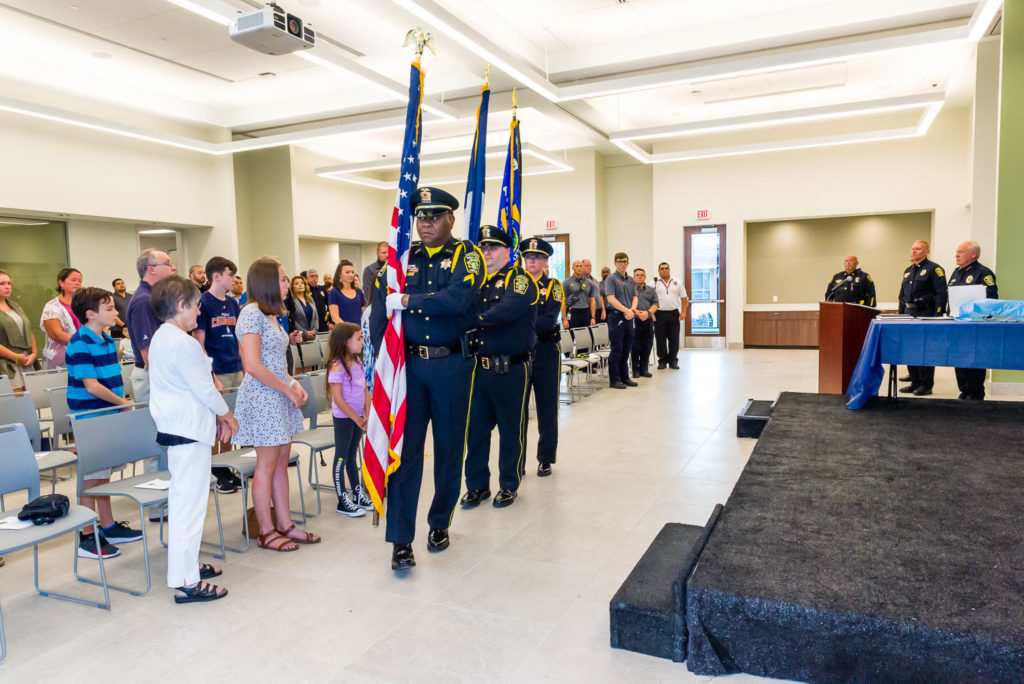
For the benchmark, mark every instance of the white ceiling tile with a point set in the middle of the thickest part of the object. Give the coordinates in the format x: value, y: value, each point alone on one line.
x: 170, y: 35
x: 236, y: 62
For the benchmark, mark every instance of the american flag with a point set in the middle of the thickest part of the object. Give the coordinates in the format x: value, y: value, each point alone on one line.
x: 385, y: 430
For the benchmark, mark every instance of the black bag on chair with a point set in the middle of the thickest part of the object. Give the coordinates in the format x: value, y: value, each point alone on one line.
x: 45, y: 509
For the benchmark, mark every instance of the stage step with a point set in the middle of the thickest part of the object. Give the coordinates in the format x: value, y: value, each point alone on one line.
x: 753, y: 417
x: 648, y: 612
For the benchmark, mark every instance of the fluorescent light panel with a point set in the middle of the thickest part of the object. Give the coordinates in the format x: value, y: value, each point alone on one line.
x: 156, y: 231
x: 203, y: 11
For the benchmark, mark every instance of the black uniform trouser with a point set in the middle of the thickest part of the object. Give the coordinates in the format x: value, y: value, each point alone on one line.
x: 620, y: 335
x: 971, y: 382
x: 921, y: 376
x: 498, y: 400
x: 579, y: 318
x: 544, y: 379
x: 666, y: 333
x: 438, y: 392
x: 643, y: 341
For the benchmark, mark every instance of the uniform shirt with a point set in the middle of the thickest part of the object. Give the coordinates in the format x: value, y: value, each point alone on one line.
x: 853, y: 288
x: 319, y: 294
x: 217, y: 320
x: 670, y: 295
x: 141, y: 322
x: 370, y: 279
x: 976, y: 274
x: 506, y: 312
x: 924, y: 288
x: 622, y: 287
x: 91, y: 356
x: 578, y: 293
x: 549, y: 305
x: 443, y: 285
x: 646, y: 298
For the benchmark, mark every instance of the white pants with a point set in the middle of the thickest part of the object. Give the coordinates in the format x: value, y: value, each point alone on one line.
x: 190, y: 491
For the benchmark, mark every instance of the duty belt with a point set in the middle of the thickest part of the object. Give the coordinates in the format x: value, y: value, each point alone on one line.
x: 501, y: 362
x: 425, y: 352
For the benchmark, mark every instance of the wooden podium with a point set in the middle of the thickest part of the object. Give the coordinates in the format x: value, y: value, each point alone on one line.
x: 841, y: 332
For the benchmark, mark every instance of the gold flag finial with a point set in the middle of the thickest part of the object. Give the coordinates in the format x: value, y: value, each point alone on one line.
x: 422, y: 40
x: 487, y: 76
x: 515, y: 99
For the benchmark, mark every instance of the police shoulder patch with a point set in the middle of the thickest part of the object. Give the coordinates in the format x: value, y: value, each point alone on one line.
x: 939, y: 272
x: 869, y: 278
x: 989, y: 280
x: 473, y: 262
x: 520, y: 284
x: 557, y: 294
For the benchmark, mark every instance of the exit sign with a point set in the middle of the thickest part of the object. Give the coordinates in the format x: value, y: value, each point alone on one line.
x: 703, y: 214
x: 550, y: 225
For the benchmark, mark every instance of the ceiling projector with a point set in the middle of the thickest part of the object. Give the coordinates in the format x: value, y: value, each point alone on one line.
x: 271, y: 31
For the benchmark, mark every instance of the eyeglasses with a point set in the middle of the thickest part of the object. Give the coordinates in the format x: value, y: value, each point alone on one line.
x: 161, y: 263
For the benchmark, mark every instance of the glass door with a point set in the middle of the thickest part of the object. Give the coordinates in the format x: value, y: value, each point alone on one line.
x: 705, y: 283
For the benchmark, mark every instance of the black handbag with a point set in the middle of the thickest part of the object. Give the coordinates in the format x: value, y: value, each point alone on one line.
x: 45, y: 509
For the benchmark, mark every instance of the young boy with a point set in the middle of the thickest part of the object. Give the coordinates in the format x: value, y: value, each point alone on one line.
x: 94, y: 381
x: 215, y: 331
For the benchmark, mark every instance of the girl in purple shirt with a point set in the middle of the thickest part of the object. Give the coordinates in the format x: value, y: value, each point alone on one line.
x: 350, y: 403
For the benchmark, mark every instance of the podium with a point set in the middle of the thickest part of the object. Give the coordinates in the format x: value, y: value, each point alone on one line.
x: 841, y: 331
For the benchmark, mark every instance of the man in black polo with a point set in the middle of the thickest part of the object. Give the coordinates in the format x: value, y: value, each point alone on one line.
x: 620, y: 291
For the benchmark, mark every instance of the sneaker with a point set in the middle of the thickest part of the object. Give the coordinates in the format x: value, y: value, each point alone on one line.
x: 87, y: 548
x: 120, y: 533
x: 361, y: 499
x: 349, y: 509
x: 227, y: 485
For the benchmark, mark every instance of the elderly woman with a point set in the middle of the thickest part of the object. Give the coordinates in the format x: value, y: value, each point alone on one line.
x: 58, y: 320
x: 18, y: 351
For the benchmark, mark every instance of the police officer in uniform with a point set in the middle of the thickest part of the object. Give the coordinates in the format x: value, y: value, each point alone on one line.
x: 507, y: 306
x: 442, y: 284
x: 547, y: 355
x: 969, y: 271
x: 922, y: 294
x: 851, y: 285
x: 581, y: 298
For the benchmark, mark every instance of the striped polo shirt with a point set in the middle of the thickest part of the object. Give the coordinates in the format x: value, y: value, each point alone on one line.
x: 91, y: 356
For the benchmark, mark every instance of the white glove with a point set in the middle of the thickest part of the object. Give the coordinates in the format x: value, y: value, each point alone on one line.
x: 394, y: 302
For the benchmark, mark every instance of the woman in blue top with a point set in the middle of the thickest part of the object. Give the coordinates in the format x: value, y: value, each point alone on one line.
x: 345, y: 300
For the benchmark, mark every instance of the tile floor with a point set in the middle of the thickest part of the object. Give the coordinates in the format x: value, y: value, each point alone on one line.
x: 521, y: 596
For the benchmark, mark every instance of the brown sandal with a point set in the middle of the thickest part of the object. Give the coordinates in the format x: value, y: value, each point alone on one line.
x: 310, y: 538
x: 262, y: 542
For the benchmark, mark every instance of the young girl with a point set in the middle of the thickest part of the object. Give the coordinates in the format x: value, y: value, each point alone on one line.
x: 350, y: 403
x: 189, y: 414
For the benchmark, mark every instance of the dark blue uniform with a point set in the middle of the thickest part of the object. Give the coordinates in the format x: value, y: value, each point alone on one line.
x: 506, y: 312
x: 547, y: 362
x: 443, y: 286
x: 923, y: 294
x: 971, y: 381
x: 853, y: 288
x: 620, y: 331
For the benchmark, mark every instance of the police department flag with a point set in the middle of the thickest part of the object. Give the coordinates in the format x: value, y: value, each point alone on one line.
x: 477, y: 168
x: 385, y: 428
x: 512, y: 189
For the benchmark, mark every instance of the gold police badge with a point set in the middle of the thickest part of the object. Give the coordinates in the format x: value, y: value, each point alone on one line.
x: 424, y: 195
x: 446, y: 263
x: 970, y: 279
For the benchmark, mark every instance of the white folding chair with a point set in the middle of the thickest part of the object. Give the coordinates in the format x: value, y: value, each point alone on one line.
x: 19, y: 408
x: 37, y: 382
x: 318, y: 439
x: 5, y: 385
x: 571, y: 366
x: 308, y: 356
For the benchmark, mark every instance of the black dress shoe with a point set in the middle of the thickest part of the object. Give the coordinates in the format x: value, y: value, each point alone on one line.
x: 617, y: 385
x: 402, y: 558
x: 647, y: 375
x: 630, y: 383
x: 438, y: 539
x: 922, y: 391
x: 909, y: 389
x: 674, y: 366
x: 662, y: 366
x: 906, y: 378
x: 475, y: 497
x: 504, y: 497
x: 544, y: 469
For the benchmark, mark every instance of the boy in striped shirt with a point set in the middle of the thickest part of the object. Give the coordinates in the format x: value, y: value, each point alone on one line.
x: 94, y: 382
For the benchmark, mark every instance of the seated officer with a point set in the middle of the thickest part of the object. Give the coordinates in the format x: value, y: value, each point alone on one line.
x: 505, y: 320
x: 547, y: 355
x: 851, y: 285
x: 442, y: 282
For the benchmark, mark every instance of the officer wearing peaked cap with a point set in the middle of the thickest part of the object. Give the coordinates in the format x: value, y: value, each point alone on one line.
x: 442, y: 283
x: 547, y: 355
x: 505, y: 322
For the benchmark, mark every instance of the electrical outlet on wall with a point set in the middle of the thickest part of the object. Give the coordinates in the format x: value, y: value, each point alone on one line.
x: 775, y: 298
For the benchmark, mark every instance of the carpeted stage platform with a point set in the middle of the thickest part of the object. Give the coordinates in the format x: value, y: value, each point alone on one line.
x: 874, y: 545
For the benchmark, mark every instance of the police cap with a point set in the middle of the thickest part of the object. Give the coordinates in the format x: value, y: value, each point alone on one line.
x: 492, y: 235
x: 537, y: 247
x: 427, y: 201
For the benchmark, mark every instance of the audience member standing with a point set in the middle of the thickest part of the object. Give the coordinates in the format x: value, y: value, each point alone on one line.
x: 968, y: 271
x: 302, y: 311
x: 58, y: 321
x: 121, y: 298
x: 923, y: 294
x: 371, y: 271
x: 268, y: 404
x: 643, y: 324
x: 345, y: 300
x: 350, y: 404
x: 18, y: 350
x: 672, y: 304
x: 621, y: 294
x: 581, y: 297
x: 197, y: 274
x: 319, y: 294
x: 599, y: 312
x: 238, y: 289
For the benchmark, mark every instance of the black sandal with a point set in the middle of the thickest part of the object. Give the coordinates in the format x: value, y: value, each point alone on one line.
x: 203, y: 591
x: 207, y: 571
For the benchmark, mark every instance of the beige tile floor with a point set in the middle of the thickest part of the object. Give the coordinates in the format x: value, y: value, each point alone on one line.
x: 521, y: 596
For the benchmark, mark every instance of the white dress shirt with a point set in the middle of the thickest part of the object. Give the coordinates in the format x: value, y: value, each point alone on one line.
x: 669, y: 294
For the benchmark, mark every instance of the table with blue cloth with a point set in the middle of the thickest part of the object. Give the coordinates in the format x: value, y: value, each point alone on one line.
x: 933, y: 342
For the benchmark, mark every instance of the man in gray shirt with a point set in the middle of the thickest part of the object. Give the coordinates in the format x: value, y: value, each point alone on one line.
x: 621, y: 293
x: 580, y: 299
x: 599, y: 311
x: 371, y: 271
x: 643, y: 324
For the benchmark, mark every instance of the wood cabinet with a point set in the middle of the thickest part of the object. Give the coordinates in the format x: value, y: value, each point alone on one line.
x: 780, y: 328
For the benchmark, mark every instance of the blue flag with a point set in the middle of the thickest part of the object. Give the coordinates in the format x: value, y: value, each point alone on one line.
x: 512, y: 190
x: 474, y: 203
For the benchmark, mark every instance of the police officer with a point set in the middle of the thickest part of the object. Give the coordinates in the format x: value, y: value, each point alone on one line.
x: 442, y: 283
x: 621, y: 294
x: 505, y: 335
x: 547, y: 355
x: 581, y: 299
x: 968, y: 271
x: 643, y: 324
x: 923, y: 294
x: 851, y: 285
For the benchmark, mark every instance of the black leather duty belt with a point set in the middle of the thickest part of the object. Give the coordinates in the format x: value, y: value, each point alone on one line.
x: 425, y: 352
x: 501, y: 363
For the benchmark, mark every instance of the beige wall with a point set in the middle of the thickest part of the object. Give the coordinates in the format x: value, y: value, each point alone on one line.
x: 103, y: 251
x: 319, y: 254
x: 264, y: 198
x: 794, y: 260
x: 627, y: 205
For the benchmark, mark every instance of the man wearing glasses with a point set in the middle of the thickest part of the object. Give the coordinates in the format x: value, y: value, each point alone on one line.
x: 620, y: 290
x: 442, y: 284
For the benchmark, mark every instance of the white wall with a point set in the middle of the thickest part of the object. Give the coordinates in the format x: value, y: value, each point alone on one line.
x: 628, y: 217
x: 103, y: 251
x: 319, y: 254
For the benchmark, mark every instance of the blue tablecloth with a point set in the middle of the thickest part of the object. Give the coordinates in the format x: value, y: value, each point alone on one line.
x: 933, y: 342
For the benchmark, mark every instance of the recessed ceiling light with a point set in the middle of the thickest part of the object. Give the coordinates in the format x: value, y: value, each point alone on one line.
x: 74, y: 7
x: 268, y: 75
x: 101, y: 55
